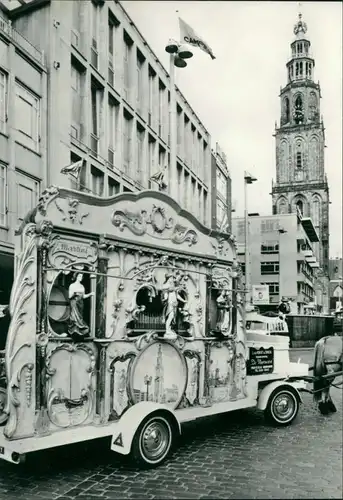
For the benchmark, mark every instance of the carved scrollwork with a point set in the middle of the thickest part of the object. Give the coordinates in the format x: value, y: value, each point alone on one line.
x: 159, y: 221
x: 145, y: 339
x: 22, y: 291
x: 182, y: 234
x: 71, y: 212
x: 48, y: 195
x: 221, y: 247
x: 138, y: 223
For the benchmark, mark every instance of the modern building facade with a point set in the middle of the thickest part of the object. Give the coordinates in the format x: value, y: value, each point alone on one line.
x: 281, y: 256
x: 221, y: 201
x: 109, y: 104
x: 88, y: 87
x: 301, y: 181
x: 336, y: 283
x: 23, y: 139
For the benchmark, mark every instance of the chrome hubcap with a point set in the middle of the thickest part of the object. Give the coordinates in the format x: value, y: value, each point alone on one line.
x: 284, y: 407
x: 155, y: 440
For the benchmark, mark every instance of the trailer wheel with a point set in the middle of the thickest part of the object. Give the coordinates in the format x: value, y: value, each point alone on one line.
x: 3, y: 399
x: 282, y: 407
x: 153, y: 441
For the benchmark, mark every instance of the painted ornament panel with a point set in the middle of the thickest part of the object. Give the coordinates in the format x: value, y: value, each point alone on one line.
x: 159, y: 375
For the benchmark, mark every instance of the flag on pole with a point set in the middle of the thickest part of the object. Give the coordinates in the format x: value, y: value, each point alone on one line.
x: 159, y: 178
x: 74, y: 169
x: 188, y: 35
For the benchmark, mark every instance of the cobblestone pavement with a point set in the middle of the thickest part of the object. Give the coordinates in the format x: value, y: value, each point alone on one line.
x: 228, y: 456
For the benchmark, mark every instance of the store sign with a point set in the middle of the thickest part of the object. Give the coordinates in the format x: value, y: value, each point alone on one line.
x: 260, y: 295
x: 260, y: 361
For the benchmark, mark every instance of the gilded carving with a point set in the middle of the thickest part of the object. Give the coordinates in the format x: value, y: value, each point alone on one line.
x: 71, y: 212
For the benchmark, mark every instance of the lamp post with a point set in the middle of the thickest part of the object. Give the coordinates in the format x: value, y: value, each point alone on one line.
x: 280, y: 232
x: 177, y: 55
x: 248, y: 179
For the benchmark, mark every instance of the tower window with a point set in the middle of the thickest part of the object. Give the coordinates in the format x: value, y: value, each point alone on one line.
x: 300, y: 207
x: 298, y: 111
x: 301, y: 69
x: 299, y: 160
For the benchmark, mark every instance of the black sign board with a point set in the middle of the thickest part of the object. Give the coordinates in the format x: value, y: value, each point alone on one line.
x: 260, y: 361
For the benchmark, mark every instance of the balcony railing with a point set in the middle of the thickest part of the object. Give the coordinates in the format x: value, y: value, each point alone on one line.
x: 19, y: 39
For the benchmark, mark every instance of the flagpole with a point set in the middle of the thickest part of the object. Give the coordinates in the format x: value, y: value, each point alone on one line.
x: 172, y: 131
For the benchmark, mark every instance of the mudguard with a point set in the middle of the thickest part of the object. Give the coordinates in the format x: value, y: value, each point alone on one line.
x: 268, y: 389
x: 131, y: 420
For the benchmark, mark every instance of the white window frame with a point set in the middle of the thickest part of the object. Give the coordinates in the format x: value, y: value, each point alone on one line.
x: 76, y: 88
x: 32, y: 142
x: 3, y: 101
x: 29, y: 183
x: 3, y: 195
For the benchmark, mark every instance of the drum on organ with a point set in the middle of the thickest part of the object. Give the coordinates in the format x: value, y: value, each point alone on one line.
x: 58, y: 309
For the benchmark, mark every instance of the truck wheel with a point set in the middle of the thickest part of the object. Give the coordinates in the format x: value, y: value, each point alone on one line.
x: 3, y: 399
x: 282, y: 406
x: 152, y: 441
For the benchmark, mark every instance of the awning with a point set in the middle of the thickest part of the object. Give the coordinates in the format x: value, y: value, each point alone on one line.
x: 310, y: 229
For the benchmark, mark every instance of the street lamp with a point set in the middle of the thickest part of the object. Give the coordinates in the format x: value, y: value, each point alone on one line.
x: 281, y: 230
x: 178, y: 53
x: 248, y: 179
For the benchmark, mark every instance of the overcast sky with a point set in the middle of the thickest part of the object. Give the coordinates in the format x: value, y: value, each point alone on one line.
x: 236, y: 95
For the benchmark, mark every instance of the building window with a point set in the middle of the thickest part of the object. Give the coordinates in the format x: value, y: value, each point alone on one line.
x: 96, y: 105
x: 97, y: 178
x: 270, y: 247
x: 221, y: 183
x: 221, y: 213
x: 113, y: 187
x: 27, y: 195
x: 76, y: 103
x: 95, y: 26
x: 273, y: 288
x: 3, y: 195
x: 113, y: 112
x: 27, y: 117
x: 127, y: 142
x: 299, y: 159
x: 140, y: 81
x: 3, y: 101
x: 269, y: 226
x: 76, y: 24
x: 269, y: 268
x: 300, y: 207
x: 127, y: 59
x: 161, y: 101
x: 140, y: 153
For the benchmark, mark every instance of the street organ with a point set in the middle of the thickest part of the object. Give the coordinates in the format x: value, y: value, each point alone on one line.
x: 127, y: 319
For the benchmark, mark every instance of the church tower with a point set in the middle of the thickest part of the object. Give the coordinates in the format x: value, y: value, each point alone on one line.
x: 301, y: 182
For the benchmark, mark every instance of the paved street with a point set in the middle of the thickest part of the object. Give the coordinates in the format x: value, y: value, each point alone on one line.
x: 228, y: 456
